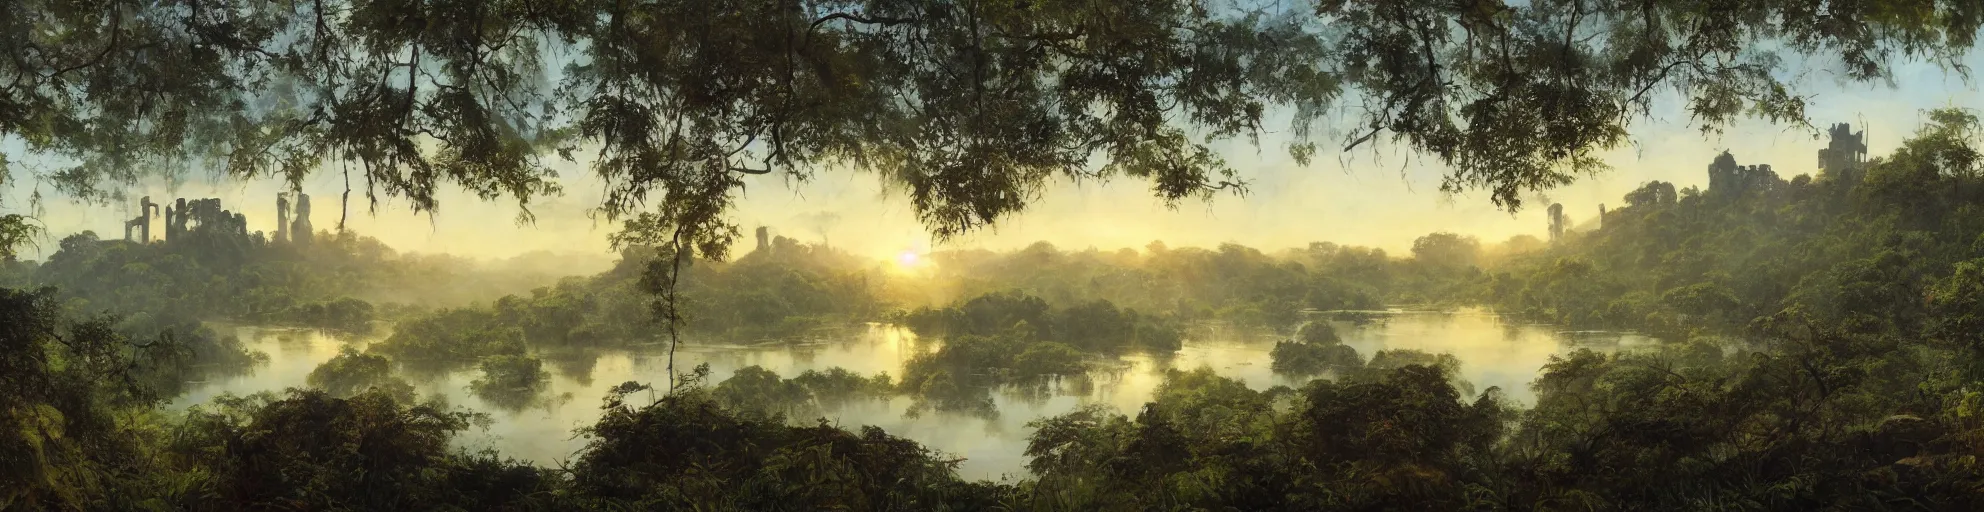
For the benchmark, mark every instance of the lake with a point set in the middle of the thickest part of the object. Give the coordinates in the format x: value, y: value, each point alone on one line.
x: 1493, y: 352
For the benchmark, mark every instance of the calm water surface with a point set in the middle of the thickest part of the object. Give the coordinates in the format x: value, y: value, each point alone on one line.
x: 1493, y: 352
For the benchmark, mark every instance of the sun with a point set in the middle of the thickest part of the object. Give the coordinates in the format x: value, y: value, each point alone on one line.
x: 908, y: 258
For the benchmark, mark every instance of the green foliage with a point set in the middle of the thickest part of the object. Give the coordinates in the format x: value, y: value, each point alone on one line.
x: 1821, y: 354
x: 63, y: 385
x: 984, y: 315
x: 971, y: 108
x: 345, y: 314
x: 836, y: 385
x: 1318, y: 333
x: 510, y: 380
x: 1240, y: 286
x: 787, y: 291
x: 1095, y: 326
x: 452, y: 336
x: 1387, y: 360
x: 1446, y: 251
x: 310, y: 450
x: 1956, y: 310
x: 189, y: 352
x: 351, y: 372
x: 1855, y: 246
x: 211, y: 274
x: 1403, y: 439
x: 686, y: 450
x: 753, y: 389
x: 1049, y: 359
x: 578, y: 313
x: 15, y: 230
x: 1315, y: 351
x: 960, y: 374
x: 1805, y: 371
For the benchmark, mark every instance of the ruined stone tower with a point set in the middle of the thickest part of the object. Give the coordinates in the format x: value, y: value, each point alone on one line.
x: 140, y: 221
x: 1726, y: 179
x: 300, y: 230
x: 1844, y: 154
x: 1558, y: 221
x: 143, y: 222
x: 175, y: 225
x: 764, y: 238
x: 1722, y: 173
x: 282, y: 217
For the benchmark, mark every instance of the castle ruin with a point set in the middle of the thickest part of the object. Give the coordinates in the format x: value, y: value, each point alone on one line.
x: 300, y: 231
x: 1845, y: 154
x: 1558, y: 221
x: 143, y: 221
x: 1726, y: 178
x: 183, y: 217
x: 282, y: 218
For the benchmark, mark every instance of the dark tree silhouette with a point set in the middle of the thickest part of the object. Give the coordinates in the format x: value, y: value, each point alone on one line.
x: 971, y: 106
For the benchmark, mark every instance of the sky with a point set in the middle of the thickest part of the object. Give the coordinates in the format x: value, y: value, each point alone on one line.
x: 1377, y: 196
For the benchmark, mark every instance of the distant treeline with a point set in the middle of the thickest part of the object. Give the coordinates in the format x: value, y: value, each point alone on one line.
x: 1823, y: 352
x: 1238, y: 285
x: 338, y: 281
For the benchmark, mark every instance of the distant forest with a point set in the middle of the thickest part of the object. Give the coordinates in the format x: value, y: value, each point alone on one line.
x: 1821, y: 338
x: 1821, y: 351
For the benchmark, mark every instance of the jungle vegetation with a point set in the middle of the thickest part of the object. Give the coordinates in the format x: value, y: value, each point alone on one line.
x: 1854, y: 390
x: 1822, y: 332
x: 677, y: 99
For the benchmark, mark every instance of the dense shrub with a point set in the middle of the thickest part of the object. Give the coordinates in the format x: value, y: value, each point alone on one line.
x: 351, y: 372
x: 509, y: 380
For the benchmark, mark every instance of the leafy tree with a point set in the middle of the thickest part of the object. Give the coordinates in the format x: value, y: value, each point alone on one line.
x: 1512, y: 97
x: 1093, y: 326
x: 808, y: 396
x: 1956, y: 309
x: 836, y: 385
x: 1446, y: 250
x: 687, y: 450
x: 63, y: 387
x: 510, y: 380
x: 452, y: 335
x: 308, y: 449
x: 753, y: 388
x: 351, y: 372
x: 1652, y: 194
x: 1315, y: 351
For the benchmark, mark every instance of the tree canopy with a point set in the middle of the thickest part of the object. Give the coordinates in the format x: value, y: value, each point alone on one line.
x: 1818, y: 349
x: 970, y: 106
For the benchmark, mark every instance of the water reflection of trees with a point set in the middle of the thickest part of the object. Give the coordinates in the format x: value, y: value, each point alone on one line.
x: 511, y: 382
x: 1037, y: 391
x: 811, y: 394
x: 577, y: 365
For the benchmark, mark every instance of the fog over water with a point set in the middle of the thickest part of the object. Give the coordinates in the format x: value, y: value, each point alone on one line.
x: 1493, y: 352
